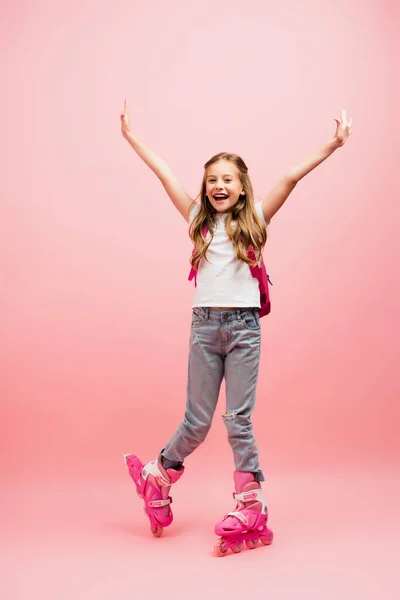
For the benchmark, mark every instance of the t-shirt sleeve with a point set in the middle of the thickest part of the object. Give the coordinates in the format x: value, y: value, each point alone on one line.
x: 260, y: 213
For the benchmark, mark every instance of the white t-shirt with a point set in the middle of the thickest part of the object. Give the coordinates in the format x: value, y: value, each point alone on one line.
x: 225, y: 280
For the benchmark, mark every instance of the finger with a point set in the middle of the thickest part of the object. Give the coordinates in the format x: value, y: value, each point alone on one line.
x: 351, y: 122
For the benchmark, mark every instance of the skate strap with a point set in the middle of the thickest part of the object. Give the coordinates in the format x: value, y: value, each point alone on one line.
x: 162, y: 482
x: 152, y: 468
x: 256, y: 495
x: 240, y: 516
x: 160, y: 503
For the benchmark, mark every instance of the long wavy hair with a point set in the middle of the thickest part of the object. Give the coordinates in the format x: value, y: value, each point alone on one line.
x: 248, y: 230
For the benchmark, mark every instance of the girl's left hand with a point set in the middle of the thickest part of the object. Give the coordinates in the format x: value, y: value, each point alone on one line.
x: 343, y: 129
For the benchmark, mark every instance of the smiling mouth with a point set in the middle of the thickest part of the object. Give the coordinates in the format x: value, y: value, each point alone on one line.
x: 219, y: 198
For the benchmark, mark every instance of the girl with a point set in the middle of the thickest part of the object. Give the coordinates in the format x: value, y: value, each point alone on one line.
x: 228, y: 230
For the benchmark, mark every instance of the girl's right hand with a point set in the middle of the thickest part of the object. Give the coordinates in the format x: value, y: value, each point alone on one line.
x: 125, y: 126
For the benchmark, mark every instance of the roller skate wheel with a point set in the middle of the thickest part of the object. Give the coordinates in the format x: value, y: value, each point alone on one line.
x: 158, y: 531
x: 236, y: 549
x: 219, y: 548
x: 268, y: 540
x: 251, y: 544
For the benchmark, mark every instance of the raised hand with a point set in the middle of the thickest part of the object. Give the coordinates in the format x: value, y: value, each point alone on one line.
x: 125, y: 125
x: 343, y: 129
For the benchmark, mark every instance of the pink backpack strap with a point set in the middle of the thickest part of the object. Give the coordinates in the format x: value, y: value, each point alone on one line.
x: 261, y: 274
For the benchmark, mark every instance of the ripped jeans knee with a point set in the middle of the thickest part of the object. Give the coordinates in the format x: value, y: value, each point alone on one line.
x: 242, y: 441
x: 229, y: 415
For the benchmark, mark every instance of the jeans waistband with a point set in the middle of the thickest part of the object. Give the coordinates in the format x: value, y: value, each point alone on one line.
x: 209, y: 313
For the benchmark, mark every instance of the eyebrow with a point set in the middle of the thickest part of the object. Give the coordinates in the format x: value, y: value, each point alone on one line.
x: 226, y: 175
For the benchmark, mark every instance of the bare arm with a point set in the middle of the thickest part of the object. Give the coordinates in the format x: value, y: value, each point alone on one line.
x: 175, y: 191
x: 278, y: 195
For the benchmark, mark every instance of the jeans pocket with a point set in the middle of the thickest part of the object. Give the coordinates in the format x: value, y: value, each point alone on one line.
x: 197, y: 318
x: 251, y: 320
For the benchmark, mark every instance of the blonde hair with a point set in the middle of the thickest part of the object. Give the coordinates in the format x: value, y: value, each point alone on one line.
x: 249, y: 231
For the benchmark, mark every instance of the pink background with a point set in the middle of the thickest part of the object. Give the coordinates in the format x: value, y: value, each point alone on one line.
x: 94, y: 292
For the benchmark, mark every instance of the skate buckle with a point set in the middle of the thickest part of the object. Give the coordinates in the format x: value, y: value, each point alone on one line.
x: 159, y: 503
x: 239, y: 515
x: 246, y: 496
x: 250, y: 496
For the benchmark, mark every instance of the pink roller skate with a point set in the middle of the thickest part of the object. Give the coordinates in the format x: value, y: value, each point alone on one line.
x: 248, y: 523
x: 153, y: 483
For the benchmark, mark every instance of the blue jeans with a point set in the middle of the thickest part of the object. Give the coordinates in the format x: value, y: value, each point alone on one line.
x: 222, y: 344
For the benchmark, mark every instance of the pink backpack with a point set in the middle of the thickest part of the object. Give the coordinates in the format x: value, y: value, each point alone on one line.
x: 259, y: 272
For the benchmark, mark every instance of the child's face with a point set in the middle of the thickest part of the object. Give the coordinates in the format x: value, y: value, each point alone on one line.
x: 223, y: 178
